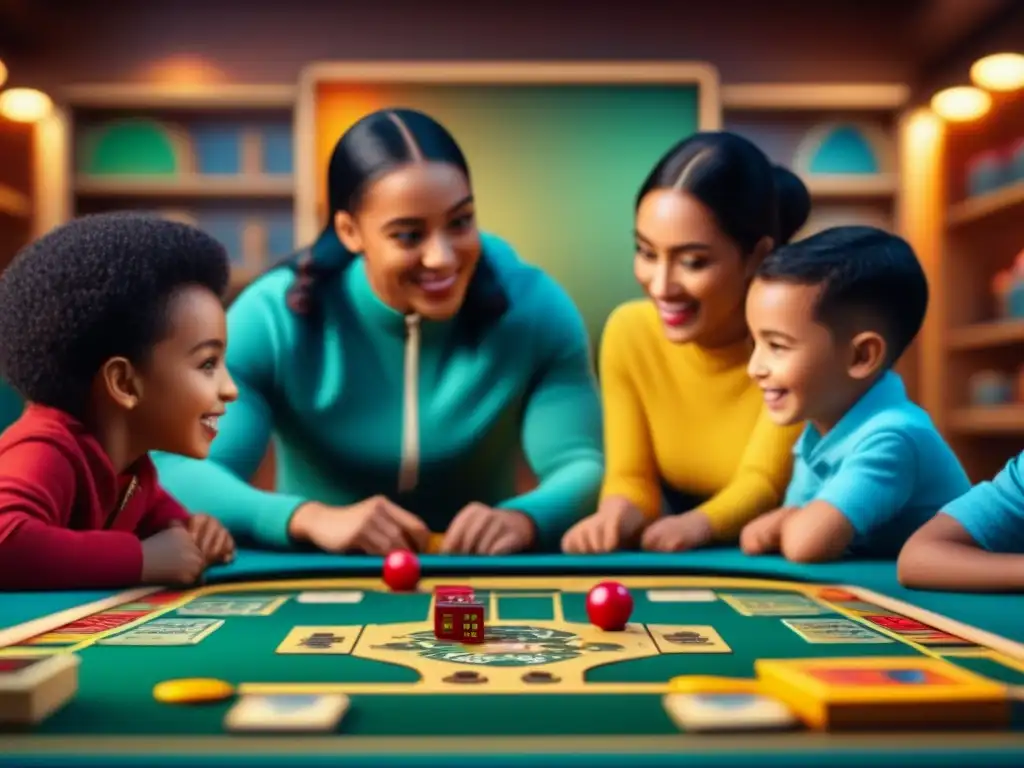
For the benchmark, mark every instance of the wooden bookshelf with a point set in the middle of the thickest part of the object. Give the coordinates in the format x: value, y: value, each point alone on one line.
x: 246, y: 200
x: 234, y: 186
x: 981, y: 235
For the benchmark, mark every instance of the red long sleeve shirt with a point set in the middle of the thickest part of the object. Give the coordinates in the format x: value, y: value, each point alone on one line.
x: 67, y: 520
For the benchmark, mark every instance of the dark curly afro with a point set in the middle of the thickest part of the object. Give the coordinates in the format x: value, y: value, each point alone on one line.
x: 95, y: 288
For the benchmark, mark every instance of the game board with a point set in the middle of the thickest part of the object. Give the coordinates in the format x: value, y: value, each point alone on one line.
x: 544, y: 670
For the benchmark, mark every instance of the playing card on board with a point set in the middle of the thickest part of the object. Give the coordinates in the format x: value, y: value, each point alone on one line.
x: 287, y: 712
x: 166, y: 632
x: 328, y: 596
x: 834, y: 631
x: 728, y: 712
x: 681, y: 596
x: 775, y: 604
x: 232, y: 606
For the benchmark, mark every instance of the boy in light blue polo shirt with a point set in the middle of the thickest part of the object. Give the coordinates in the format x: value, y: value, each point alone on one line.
x: 976, y: 543
x: 830, y: 315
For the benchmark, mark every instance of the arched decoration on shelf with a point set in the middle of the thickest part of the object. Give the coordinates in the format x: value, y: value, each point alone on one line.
x: 845, y: 149
x: 134, y: 147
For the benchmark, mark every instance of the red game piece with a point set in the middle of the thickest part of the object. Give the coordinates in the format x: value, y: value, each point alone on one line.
x: 402, y: 570
x: 609, y: 606
x: 454, y: 594
x: 459, y: 622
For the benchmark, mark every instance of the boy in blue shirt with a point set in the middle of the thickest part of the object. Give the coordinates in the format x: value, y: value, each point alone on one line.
x: 976, y: 543
x: 830, y: 315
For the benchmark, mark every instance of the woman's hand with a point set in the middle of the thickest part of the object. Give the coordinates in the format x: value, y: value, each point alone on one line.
x: 617, y: 524
x: 374, y: 526
x: 482, y: 530
x: 678, y: 533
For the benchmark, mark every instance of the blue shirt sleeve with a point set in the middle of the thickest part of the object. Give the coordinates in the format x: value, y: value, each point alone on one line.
x: 561, y: 427
x: 874, y: 483
x: 992, y: 512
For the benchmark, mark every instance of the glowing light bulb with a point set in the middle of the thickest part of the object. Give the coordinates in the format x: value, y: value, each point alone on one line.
x: 961, y: 103
x: 24, y: 105
x: 999, y: 72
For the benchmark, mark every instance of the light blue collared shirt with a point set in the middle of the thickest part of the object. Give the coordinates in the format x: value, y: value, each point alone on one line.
x: 884, y: 466
x: 993, y: 511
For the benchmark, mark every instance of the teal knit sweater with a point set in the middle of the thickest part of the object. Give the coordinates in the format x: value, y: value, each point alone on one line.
x: 364, y: 400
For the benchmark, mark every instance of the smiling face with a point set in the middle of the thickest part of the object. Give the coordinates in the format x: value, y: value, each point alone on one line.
x: 693, y: 272
x: 416, y: 228
x: 804, y: 370
x: 184, y: 387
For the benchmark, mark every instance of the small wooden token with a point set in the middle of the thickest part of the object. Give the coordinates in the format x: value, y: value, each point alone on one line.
x: 194, y: 690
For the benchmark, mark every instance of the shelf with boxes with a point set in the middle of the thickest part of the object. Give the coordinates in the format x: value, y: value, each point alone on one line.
x: 980, y: 296
x: 842, y: 140
x: 221, y: 159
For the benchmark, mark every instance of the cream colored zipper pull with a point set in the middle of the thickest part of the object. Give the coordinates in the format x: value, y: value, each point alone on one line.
x: 408, y: 474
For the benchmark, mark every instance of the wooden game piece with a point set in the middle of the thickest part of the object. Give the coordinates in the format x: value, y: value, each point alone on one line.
x: 34, y: 687
x: 609, y: 606
x: 709, y: 712
x: 901, y: 692
x: 192, y: 690
x: 402, y: 570
x: 291, y: 713
x: 459, y: 622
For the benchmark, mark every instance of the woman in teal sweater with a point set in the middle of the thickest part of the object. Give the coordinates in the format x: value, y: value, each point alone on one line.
x: 401, y: 362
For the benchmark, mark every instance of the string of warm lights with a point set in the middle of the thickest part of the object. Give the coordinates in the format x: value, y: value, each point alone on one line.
x: 22, y: 105
x: 997, y: 73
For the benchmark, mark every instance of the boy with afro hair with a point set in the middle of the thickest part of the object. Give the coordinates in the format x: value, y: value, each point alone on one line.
x: 112, y: 329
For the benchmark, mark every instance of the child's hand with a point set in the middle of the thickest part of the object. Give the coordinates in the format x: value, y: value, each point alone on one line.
x: 212, y: 538
x: 678, y: 533
x: 617, y: 524
x: 763, y: 535
x: 171, y: 557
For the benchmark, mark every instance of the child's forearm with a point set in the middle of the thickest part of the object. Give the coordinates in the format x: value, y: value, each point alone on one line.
x: 956, y: 567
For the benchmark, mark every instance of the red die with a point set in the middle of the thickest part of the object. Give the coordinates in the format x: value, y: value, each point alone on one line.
x: 460, y: 622
x: 454, y: 594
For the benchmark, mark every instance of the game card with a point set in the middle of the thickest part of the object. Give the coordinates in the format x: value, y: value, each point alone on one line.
x: 708, y: 712
x: 681, y: 596
x: 287, y: 712
x: 834, y: 631
x: 320, y: 640
x: 687, y: 639
x: 236, y: 605
x: 166, y: 632
x: 775, y: 604
x: 328, y: 597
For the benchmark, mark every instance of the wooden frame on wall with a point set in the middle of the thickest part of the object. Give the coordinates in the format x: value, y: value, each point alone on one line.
x: 704, y: 76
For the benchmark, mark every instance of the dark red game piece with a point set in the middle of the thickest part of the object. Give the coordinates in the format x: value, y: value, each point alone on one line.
x: 609, y: 606
x: 402, y: 570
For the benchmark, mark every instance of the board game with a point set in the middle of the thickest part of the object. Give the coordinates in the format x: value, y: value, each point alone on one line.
x: 350, y: 661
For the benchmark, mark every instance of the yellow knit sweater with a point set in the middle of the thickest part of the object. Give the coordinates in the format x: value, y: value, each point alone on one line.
x: 689, y: 416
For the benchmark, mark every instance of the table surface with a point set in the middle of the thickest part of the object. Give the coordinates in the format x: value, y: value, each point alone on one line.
x: 563, y: 725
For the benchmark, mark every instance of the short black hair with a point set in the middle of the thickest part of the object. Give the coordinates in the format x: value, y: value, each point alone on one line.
x: 95, y: 288
x: 860, y: 269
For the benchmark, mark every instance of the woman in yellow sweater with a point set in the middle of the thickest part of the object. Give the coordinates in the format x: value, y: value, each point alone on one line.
x: 684, y: 424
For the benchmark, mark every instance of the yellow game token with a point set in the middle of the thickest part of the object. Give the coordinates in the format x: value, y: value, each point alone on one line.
x: 194, y: 690
x: 434, y: 545
x: 712, y: 684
